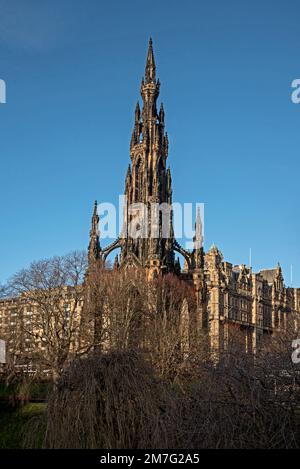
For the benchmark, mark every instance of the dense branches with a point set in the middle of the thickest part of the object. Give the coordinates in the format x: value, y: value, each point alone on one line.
x: 50, y: 295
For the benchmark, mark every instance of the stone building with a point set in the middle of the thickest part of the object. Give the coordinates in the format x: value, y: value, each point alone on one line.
x: 228, y: 297
x: 38, y: 327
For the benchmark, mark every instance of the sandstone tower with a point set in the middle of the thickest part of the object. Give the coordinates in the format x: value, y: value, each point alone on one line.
x: 229, y: 298
x: 147, y: 239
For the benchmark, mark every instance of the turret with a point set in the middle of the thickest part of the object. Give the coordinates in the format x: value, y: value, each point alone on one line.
x: 161, y: 114
x: 116, y: 263
x: 150, y: 65
x: 198, y: 254
x: 150, y: 88
x: 278, y: 280
x: 137, y: 113
x: 198, y: 238
x: 147, y: 180
x: 94, y: 249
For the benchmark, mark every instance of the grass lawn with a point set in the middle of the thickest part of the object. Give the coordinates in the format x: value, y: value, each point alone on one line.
x: 14, y: 423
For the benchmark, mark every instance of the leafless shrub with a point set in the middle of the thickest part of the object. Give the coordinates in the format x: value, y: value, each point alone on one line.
x: 33, y: 432
x: 155, y: 316
x: 113, y: 399
x: 110, y: 401
x: 242, y: 402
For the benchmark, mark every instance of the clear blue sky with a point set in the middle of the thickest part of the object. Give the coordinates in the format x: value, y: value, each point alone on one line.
x: 73, y: 72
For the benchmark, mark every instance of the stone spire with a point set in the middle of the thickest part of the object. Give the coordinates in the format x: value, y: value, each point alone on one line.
x: 137, y: 113
x: 198, y: 238
x: 116, y: 265
x: 94, y: 249
x: 161, y: 115
x: 150, y: 70
x: 198, y: 253
x: 149, y: 92
x: 148, y: 180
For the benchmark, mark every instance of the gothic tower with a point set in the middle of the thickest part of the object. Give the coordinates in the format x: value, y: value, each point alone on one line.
x: 148, y: 234
x: 147, y: 239
x: 94, y: 249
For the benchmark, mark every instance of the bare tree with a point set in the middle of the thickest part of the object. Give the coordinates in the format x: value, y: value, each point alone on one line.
x: 118, y: 302
x: 156, y: 317
x: 242, y: 401
x: 50, y: 294
x: 3, y: 291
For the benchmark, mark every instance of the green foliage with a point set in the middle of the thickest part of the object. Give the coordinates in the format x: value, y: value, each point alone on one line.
x: 14, y: 422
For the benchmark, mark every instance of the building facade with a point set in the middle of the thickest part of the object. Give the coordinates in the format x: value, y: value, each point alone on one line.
x: 228, y: 297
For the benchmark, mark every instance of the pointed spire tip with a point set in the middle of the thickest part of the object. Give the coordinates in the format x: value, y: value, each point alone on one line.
x: 150, y: 64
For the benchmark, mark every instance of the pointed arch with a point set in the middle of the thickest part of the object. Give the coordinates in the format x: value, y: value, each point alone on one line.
x: 110, y: 248
x: 184, y: 253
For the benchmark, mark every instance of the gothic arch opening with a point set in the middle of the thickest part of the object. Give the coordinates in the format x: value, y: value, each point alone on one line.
x: 110, y: 258
x: 185, y: 254
x: 182, y: 262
